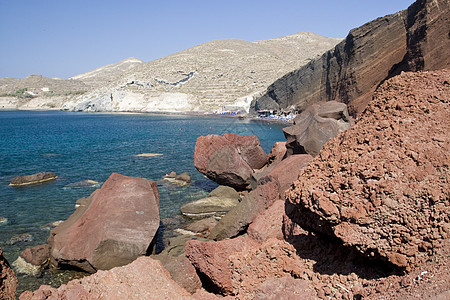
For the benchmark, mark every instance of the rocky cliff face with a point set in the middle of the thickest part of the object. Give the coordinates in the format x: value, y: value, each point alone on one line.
x: 411, y: 40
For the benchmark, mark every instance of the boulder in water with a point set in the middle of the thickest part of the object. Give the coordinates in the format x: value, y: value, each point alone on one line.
x: 33, y: 179
x: 116, y: 225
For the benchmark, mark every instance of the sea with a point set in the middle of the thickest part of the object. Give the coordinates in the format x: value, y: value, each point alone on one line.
x: 90, y: 146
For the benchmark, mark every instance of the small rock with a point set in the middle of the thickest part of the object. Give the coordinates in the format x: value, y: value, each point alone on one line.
x: 21, y: 238
x: 33, y: 179
x: 3, y: 220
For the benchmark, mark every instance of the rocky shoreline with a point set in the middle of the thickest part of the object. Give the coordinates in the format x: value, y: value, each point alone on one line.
x: 341, y: 224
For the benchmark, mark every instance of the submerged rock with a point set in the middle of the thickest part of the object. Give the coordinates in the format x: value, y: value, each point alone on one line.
x: 84, y: 183
x: 178, y: 179
x: 33, y: 179
x: 3, y: 220
x: 20, y: 238
x: 115, y: 226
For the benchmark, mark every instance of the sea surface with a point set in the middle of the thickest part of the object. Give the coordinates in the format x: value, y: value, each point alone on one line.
x: 84, y: 146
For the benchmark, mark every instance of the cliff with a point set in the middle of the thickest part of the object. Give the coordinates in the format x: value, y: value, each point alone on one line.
x: 411, y: 40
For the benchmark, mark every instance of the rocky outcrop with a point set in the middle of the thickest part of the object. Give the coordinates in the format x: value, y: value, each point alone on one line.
x: 411, y: 40
x: 239, y: 266
x: 8, y: 280
x: 229, y: 159
x: 381, y: 187
x: 315, y: 126
x: 116, y: 226
x: 145, y: 278
x: 220, y: 201
x: 32, y: 261
x: 33, y: 179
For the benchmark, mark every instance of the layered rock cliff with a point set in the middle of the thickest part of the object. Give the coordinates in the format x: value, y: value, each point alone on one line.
x: 411, y: 40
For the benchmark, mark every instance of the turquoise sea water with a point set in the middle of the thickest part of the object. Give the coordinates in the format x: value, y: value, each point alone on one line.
x: 80, y: 146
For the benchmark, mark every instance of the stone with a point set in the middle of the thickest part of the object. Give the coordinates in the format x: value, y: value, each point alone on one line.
x: 237, y: 219
x: 203, y: 226
x: 3, y: 220
x: 116, y: 226
x: 33, y: 179
x: 209, y: 206
x: 178, y: 179
x: 287, y: 288
x: 176, y: 245
x: 284, y: 172
x: 8, y: 280
x: 315, y: 126
x: 268, y: 224
x: 32, y: 261
x: 380, y: 187
x: 410, y: 40
x: 144, y: 278
x: 229, y: 159
x: 219, y: 201
x: 20, y: 238
x: 181, y: 270
x: 277, y: 153
x: 88, y: 183
x: 211, y: 259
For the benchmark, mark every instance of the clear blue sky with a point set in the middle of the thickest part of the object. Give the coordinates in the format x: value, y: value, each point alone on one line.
x: 63, y: 38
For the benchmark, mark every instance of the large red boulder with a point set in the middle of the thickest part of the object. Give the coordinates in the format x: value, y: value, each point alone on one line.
x: 229, y: 159
x: 116, y: 226
x: 8, y: 280
x: 238, y: 266
x: 211, y: 259
x: 382, y: 186
x: 144, y: 278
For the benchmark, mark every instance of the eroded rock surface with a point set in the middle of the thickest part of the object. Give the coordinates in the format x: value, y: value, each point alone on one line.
x: 145, y: 278
x: 381, y: 187
x: 33, y: 179
x: 8, y: 280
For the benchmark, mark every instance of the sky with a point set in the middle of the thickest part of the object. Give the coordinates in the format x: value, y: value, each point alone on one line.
x: 63, y: 38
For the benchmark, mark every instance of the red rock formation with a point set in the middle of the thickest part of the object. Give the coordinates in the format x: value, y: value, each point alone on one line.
x: 115, y: 227
x: 411, y: 40
x: 144, y: 278
x: 8, y: 280
x: 381, y: 187
x: 229, y: 159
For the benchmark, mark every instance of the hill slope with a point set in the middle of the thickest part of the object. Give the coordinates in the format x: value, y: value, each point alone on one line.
x: 208, y: 76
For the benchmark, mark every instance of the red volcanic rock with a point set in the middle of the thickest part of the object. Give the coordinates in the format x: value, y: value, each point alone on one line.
x: 229, y: 159
x: 286, y: 288
x: 116, y: 226
x: 181, y: 271
x: 8, y: 280
x: 315, y: 126
x: 37, y: 255
x: 382, y: 187
x: 252, y: 266
x: 268, y: 224
x: 144, y: 278
x: 255, y: 202
x: 211, y: 259
x: 277, y: 153
x: 287, y: 170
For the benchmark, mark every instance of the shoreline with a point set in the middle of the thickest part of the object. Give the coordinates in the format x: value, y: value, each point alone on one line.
x: 165, y: 113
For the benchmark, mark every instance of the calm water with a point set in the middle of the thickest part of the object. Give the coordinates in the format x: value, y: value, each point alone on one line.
x: 79, y: 146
